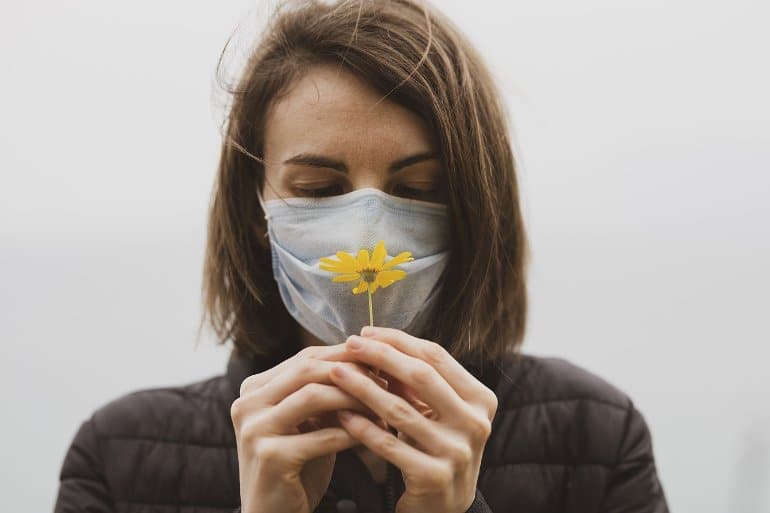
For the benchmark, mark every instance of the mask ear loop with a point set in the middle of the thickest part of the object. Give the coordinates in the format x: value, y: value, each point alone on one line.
x: 261, y: 201
x: 262, y: 204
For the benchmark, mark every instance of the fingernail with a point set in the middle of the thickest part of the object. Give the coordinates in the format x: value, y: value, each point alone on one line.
x: 345, y: 414
x: 339, y: 371
x: 367, y: 330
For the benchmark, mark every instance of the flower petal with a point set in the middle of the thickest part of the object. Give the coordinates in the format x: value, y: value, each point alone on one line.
x: 361, y: 287
x: 328, y: 264
x: 378, y: 255
x: 346, y: 258
x: 373, y: 286
x: 346, y: 277
x: 390, y: 276
x: 333, y: 268
x: 406, y: 256
x: 363, y: 259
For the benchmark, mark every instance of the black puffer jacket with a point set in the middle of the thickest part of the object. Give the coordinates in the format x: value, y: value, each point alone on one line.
x: 563, y: 440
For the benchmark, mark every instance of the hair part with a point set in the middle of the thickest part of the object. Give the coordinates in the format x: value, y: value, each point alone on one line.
x: 419, y: 59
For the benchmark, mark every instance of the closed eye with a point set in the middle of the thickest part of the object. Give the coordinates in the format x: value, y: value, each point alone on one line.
x: 318, y: 192
x: 427, y: 194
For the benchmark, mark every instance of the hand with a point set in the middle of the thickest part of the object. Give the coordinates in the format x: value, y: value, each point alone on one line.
x: 287, y: 433
x: 443, y: 416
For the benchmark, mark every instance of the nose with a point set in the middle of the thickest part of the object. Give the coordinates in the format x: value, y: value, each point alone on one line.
x: 373, y: 179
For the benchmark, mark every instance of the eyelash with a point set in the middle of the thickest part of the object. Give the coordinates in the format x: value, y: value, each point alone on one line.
x: 329, y: 190
x: 317, y: 192
x: 418, y: 193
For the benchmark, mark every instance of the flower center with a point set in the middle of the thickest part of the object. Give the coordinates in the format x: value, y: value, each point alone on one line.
x: 368, y: 275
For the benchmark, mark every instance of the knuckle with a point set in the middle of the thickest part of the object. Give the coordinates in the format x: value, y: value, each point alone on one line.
x: 493, y: 403
x: 422, y: 374
x: 248, y: 383
x: 332, y: 437
x: 461, y: 455
x: 445, y: 475
x: 480, y: 428
x: 304, y: 366
x: 236, y: 410
x: 308, y: 352
x: 434, y: 353
x: 388, y: 445
x: 440, y: 477
x: 398, y: 413
x: 267, y: 449
x: 312, y: 393
x: 376, y: 352
x: 249, y: 434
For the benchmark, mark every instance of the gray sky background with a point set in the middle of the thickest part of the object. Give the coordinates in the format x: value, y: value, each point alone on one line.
x: 645, y: 152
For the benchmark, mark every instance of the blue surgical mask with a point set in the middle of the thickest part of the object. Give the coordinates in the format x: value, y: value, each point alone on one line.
x: 302, y: 230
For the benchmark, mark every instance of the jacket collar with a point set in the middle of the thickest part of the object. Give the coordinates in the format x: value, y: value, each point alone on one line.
x: 240, y: 367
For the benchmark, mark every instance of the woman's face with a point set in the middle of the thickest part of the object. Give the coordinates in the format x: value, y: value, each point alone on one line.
x: 324, y: 139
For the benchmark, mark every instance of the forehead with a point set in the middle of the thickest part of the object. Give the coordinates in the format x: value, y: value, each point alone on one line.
x: 333, y: 109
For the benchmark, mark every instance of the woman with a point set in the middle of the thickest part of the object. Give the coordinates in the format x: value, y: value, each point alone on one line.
x: 354, y: 123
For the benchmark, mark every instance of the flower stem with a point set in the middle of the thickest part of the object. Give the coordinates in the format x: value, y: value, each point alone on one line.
x: 371, y: 315
x: 371, y: 323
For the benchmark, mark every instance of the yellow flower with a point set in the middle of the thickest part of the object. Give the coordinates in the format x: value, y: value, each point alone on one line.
x: 372, y: 271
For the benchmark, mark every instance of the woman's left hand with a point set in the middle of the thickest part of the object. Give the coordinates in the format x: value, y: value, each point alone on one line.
x: 444, y: 419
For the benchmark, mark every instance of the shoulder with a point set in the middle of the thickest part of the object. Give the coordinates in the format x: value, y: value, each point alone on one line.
x: 193, y: 413
x: 542, y: 379
x: 152, y: 446
x: 551, y: 378
x: 567, y: 413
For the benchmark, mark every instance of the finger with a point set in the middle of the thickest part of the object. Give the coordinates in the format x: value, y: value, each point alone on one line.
x: 330, y: 419
x: 419, y: 375
x: 394, y: 410
x: 408, y: 440
x: 398, y: 388
x: 302, y: 373
x: 381, y: 380
x: 255, y: 381
x: 296, y: 450
x: 295, y: 377
x: 389, y: 446
x: 311, y: 400
x: 464, y: 383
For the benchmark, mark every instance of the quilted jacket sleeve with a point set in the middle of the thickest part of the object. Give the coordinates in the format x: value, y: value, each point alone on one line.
x: 634, y: 486
x: 479, y: 504
x: 82, y: 485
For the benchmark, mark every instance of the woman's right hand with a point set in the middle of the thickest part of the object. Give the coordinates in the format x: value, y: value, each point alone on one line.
x: 287, y: 432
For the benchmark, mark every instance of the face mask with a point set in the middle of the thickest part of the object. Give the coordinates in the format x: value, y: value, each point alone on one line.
x: 302, y: 230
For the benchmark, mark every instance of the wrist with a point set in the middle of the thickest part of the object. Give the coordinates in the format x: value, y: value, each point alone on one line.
x: 479, y: 504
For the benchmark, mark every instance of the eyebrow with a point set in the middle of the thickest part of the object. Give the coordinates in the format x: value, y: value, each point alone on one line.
x: 311, y: 159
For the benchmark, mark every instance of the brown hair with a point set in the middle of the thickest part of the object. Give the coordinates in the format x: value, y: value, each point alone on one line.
x: 417, y: 58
